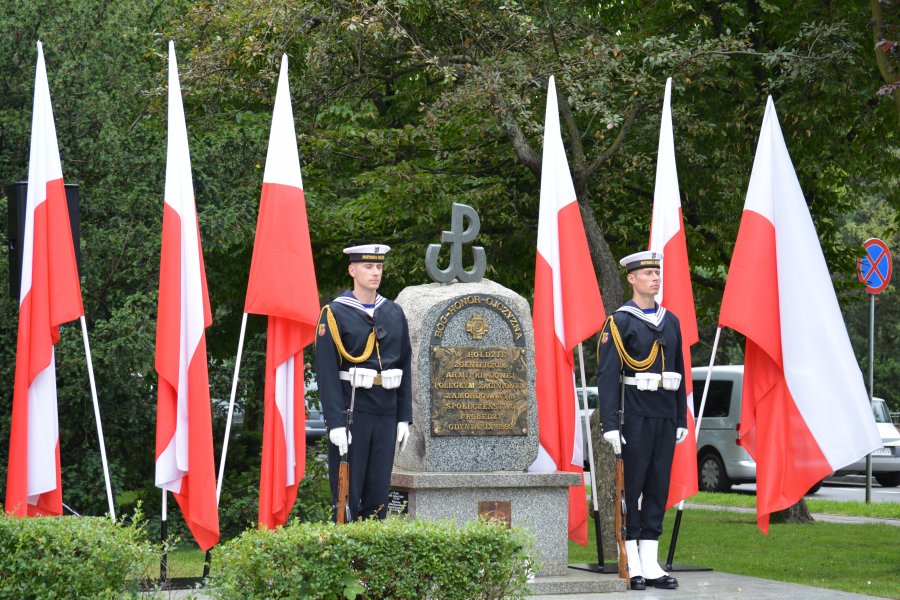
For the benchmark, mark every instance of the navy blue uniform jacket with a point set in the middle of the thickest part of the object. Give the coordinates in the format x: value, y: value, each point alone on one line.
x: 638, y: 334
x: 355, y: 325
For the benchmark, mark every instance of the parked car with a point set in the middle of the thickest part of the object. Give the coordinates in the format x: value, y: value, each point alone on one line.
x: 315, y: 421
x: 721, y: 459
x: 592, y: 404
x: 885, y: 460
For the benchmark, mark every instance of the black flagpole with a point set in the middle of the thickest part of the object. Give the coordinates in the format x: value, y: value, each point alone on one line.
x: 672, y: 543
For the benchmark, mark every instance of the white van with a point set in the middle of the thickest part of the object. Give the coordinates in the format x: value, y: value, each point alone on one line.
x: 722, y: 461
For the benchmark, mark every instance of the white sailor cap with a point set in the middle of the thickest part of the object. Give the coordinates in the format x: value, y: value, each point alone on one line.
x: 648, y: 259
x: 367, y: 253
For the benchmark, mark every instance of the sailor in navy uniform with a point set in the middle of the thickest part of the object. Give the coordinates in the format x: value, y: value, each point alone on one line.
x: 640, y: 351
x: 364, y: 337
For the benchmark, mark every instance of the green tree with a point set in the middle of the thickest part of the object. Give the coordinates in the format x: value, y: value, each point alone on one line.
x: 402, y: 107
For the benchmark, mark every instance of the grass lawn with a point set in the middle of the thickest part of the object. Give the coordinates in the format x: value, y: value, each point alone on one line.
x: 863, y: 558
x: 184, y: 561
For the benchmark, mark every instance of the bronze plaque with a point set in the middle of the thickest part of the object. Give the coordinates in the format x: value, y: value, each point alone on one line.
x: 494, y: 510
x: 479, y: 390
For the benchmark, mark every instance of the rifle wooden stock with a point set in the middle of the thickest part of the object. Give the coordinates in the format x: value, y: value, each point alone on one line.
x: 342, y: 510
x: 620, y: 521
x: 343, y: 495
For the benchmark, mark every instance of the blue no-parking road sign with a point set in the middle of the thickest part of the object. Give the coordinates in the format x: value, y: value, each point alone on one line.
x: 876, y: 266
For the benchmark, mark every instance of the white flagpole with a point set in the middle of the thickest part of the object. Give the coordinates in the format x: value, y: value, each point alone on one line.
x: 712, y: 361
x: 237, y: 370
x: 90, y: 367
x: 587, y: 426
x: 164, y: 534
x: 590, y: 445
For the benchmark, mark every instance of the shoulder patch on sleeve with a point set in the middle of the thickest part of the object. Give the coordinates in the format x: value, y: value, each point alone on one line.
x: 321, y: 329
x: 604, y: 337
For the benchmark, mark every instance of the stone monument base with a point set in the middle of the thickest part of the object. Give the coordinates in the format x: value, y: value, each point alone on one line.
x: 576, y: 583
x: 537, y: 504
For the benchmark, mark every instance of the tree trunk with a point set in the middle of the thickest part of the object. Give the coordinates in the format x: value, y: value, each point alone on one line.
x: 605, y: 467
x: 798, y: 513
x: 605, y: 263
x: 882, y: 58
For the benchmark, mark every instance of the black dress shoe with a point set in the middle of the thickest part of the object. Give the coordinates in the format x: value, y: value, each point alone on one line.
x: 666, y: 582
x: 638, y: 583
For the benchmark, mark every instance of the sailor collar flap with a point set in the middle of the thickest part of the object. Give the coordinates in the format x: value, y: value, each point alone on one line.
x: 654, y: 320
x: 348, y: 299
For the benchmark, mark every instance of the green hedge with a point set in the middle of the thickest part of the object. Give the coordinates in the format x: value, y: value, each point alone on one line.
x: 71, y: 557
x: 396, y: 558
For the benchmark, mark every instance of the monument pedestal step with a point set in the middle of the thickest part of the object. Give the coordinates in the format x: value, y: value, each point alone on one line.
x: 535, y: 502
x: 576, y: 582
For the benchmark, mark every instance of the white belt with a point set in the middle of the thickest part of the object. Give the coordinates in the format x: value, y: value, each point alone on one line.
x: 345, y: 376
x: 670, y: 380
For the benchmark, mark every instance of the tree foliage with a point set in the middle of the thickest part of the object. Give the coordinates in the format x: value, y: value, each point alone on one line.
x: 403, y: 107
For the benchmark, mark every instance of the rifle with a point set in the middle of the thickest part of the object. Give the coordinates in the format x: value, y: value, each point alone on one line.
x: 342, y: 511
x: 620, y: 521
x: 621, y: 510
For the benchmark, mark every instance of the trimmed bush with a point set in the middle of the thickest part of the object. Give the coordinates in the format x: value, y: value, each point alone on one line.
x: 396, y: 558
x: 71, y: 557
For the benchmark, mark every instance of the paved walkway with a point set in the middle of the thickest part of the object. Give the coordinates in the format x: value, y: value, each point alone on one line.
x: 710, y: 585
x: 693, y: 585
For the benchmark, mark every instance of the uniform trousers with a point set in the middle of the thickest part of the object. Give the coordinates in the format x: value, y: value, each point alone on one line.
x: 371, y: 455
x: 647, y: 455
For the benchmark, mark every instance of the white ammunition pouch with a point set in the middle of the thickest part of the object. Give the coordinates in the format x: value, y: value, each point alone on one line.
x: 647, y: 382
x: 366, y: 378
x: 671, y: 380
x: 359, y: 377
x: 390, y: 378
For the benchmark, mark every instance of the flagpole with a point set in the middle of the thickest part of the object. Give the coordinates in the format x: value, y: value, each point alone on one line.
x: 677, y: 525
x: 587, y: 425
x: 90, y: 367
x: 234, y: 382
x: 163, y: 533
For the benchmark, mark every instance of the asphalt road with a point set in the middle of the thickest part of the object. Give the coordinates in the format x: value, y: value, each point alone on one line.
x: 847, y: 488
x: 850, y: 487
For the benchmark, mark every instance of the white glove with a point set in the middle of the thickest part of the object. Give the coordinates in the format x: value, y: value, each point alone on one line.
x: 362, y: 378
x: 391, y: 378
x: 680, y: 435
x: 340, y: 438
x: 613, y: 438
x: 402, y: 434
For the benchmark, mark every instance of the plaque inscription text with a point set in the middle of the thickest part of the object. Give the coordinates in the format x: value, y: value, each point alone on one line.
x: 479, y: 390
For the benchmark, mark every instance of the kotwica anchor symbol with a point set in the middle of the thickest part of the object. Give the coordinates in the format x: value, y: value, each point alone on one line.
x: 457, y: 236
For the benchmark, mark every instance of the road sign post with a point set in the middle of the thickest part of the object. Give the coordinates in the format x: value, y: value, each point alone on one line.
x: 875, y: 270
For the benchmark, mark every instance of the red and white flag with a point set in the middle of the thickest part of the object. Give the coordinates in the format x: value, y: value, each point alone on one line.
x: 184, y: 444
x: 675, y: 292
x: 283, y: 286
x: 805, y: 409
x: 567, y: 310
x: 50, y: 295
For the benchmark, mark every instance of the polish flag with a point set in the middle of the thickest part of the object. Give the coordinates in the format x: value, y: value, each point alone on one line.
x: 184, y: 444
x: 50, y: 295
x: 283, y: 286
x: 567, y: 310
x: 805, y: 408
x: 675, y: 292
